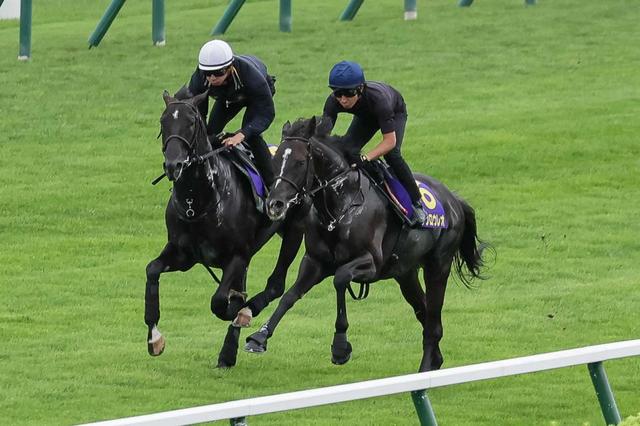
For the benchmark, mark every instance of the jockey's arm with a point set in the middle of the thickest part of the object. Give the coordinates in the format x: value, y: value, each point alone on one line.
x: 387, y: 144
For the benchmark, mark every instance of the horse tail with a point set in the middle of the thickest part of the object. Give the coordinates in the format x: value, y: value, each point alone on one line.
x: 470, y: 251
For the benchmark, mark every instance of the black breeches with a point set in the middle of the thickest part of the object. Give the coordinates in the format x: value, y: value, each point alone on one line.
x: 360, y: 132
x: 262, y: 157
x: 221, y: 114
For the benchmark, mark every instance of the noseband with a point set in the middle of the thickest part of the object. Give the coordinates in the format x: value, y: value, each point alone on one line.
x: 190, y: 143
x: 300, y: 191
x: 200, y: 126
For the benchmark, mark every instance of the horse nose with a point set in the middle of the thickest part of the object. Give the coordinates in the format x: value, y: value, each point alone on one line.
x: 173, y: 169
x: 275, y: 209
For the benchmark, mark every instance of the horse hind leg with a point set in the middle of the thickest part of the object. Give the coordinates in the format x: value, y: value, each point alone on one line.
x: 412, y: 292
x: 436, y: 275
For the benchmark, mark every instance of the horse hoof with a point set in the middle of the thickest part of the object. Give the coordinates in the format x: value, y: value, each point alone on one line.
x: 340, y: 349
x: 225, y: 363
x: 340, y: 360
x: 156, y: 347
x: 243, y: 319
x: 254, y: 347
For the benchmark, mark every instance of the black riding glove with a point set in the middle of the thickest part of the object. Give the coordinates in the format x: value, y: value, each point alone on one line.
x: 358, y: 161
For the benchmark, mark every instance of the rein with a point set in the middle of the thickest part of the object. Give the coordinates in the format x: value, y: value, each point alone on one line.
x: 335, y: 220
x: 301, y: 193
x: 198, y: 159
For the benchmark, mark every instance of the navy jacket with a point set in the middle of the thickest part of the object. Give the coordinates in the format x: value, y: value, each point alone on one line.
x: 252, y: 87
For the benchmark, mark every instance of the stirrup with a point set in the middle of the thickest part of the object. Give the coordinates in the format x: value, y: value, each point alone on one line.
x: 419, y: 217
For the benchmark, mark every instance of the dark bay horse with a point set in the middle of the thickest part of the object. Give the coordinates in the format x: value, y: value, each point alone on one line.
x: 211, y: 219
x: 352, y: 235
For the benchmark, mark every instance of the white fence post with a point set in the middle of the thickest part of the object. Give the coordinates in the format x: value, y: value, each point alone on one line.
x: 9, y: 9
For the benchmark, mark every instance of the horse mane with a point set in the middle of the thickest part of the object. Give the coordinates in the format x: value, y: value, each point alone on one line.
x: 339, y: 145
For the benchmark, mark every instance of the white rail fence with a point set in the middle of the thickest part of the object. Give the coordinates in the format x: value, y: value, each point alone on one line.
x: 237, y: 411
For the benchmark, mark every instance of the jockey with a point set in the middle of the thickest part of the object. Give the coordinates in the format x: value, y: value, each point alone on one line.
x: 375, y: 106
x: 236, y: 82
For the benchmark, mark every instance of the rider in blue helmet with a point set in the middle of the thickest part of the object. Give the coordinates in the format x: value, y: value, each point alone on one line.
x: 375, y: 106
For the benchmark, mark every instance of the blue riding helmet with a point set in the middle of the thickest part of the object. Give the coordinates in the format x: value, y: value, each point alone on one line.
x: 346, y: 75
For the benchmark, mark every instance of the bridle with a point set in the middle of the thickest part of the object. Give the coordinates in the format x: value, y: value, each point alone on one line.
x: 192, y: 158
x: 302, y: 192
x: 188, y: 213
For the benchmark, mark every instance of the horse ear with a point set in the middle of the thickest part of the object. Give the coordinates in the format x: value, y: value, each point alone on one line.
x: 311, y: 126
x: 196, y: 100
x: 183, y: 93
x: 286, y: 127
x: 323, y: 126
x: 167, y: 98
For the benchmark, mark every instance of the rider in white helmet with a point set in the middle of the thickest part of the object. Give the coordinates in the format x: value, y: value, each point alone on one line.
x: 236, y: 82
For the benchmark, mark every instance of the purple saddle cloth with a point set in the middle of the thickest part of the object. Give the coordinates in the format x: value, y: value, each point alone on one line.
x: 432, y: 207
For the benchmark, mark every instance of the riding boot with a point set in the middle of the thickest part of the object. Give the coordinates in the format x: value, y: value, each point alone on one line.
x: 262, y: 158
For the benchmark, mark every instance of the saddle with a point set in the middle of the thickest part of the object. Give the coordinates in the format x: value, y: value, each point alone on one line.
x: 390, y: 187
x: 242, y: 159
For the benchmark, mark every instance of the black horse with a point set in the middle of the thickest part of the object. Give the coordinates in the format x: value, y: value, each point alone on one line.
x: 352, y: 234
x: 212, y: 219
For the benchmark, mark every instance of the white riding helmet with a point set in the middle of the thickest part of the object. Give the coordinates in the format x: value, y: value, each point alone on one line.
x: 214, y: 55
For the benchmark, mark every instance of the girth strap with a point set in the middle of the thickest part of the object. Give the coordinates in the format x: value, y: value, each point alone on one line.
x: 362, y: 294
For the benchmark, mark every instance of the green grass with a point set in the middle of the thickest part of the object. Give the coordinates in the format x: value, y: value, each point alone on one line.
x: 530, y: 113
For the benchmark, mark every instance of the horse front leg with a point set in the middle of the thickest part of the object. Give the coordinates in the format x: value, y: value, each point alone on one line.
x: 291, y: 241
x: 170, y: 259
x: 360, y: 269
x: 311, y: 272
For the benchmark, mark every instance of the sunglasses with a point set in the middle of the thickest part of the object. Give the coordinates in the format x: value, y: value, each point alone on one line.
x: 216, y: 73
x: 347, y: 93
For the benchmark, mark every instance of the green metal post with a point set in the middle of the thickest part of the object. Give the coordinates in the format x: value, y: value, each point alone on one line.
x: 285, y: 16
x: 423, y: 407
x: 410, y: 10
x: 351, y: 10
x: 227, y: 17
x: 157, y: 13
x: 604, y: 393
x: 465, y: 3
x: 105, y: 22
x: 25, y: 30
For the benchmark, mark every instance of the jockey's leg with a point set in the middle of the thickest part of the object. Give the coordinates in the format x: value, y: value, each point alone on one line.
x: 359, y: 133
x: 220, y: 116
x: 263, y: 158
x: 403, y: 172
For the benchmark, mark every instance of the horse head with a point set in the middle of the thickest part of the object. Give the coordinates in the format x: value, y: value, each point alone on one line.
x: 183, y: 133
x: 291, y: 160
x: 328, y: 153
